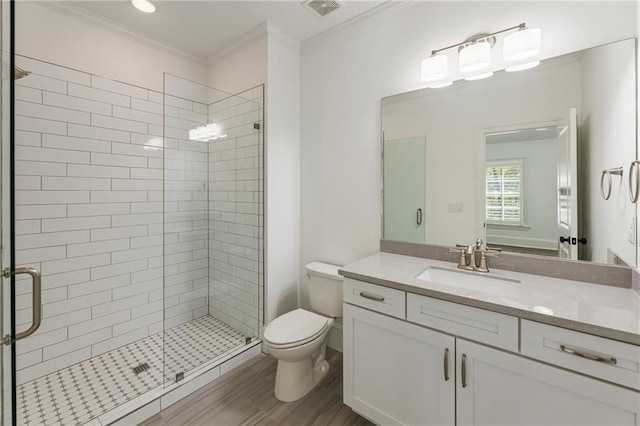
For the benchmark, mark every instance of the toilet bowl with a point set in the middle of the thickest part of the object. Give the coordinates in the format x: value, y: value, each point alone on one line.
x: 298, y: 339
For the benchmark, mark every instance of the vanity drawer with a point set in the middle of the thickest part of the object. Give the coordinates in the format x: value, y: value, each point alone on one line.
x: 375, y: 297
x: 487, y: 327
x: 606, y: 359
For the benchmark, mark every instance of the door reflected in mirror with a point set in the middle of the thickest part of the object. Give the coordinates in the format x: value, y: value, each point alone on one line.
x: 517, y: 159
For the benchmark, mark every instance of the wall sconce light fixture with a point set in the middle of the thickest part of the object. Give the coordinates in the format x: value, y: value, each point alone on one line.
x: 205, y: 133
x: 474, y: 55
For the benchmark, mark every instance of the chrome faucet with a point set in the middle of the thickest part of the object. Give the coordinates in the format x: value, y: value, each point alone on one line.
x: 469, y: 252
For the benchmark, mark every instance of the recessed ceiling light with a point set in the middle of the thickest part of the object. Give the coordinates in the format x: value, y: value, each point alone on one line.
x: 143, y: 6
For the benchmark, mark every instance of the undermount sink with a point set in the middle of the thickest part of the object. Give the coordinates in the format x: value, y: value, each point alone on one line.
x: 469, y: 280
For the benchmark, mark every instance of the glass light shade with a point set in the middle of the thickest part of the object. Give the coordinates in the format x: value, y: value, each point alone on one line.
x: 480, y: 76
x: 435, y: 67
x: 212, y: 129
x: 475, y: 57
x: 202, y: 134
x: 440, y: 85
x: 521, y: 44
x: 522, y: 67
x: 143, y: 6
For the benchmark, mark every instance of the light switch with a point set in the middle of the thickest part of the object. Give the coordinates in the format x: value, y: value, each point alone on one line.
x: 455, y: 207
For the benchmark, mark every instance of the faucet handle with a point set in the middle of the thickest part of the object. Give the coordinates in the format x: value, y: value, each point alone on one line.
x: 483, y: 259
x: 478, y: 243
x: 461, y: 250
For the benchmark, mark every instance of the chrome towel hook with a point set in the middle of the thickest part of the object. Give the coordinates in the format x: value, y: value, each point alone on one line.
x: 608, y: 172
x: 633, y: 193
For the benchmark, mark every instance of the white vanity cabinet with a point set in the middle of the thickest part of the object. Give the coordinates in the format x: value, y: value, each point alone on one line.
x: 500, y: 388
x: 396, y: 370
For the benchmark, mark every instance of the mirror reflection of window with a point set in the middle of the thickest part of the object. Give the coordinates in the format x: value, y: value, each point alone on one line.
x: 521, y: 201
x: 504, y: 192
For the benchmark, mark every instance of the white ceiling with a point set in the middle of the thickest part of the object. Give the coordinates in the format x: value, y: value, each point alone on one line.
x: 204, y: 28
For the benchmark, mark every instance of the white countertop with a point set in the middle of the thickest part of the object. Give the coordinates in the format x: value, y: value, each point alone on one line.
x: 597, y: 309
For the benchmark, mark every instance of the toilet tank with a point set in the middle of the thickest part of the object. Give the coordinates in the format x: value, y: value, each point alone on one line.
x: 325, y: 288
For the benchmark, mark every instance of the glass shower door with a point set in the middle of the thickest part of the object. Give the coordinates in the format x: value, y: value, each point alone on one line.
x: 7, y: 400
x: 213, y: 234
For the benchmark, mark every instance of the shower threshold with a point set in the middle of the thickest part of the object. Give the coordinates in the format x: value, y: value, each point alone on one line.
x: 105, y: 388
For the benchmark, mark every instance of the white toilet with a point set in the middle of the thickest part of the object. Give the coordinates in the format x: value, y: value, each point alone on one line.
x: 298, y: 339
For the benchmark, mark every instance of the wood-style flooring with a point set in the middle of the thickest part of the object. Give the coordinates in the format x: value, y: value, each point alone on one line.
x: 245, y: 397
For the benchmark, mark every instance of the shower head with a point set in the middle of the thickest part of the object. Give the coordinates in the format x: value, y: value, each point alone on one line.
x: 19, y: 73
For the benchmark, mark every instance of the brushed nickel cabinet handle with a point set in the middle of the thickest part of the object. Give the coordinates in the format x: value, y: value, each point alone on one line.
x: 372, y: 296
x: 464, y: 370
x: 446, y: 365
x: 587, y: 355
x: 36, y: 300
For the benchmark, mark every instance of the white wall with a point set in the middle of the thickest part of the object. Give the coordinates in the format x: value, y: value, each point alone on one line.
x: 607, y: 135
x: 282, y: 173
x: 345, y: 75
x: 242, y: 65
x: 45, y: 33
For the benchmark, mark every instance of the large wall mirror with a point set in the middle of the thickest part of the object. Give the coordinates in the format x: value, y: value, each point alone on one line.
x: 518, y: 159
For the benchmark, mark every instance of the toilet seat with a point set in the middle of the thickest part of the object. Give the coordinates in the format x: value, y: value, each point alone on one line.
x: 295, y: 328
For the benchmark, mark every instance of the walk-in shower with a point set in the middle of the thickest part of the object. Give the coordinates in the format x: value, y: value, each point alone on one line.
x: 143, y: 211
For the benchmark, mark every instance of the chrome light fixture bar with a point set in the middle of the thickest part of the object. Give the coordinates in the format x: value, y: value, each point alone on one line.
x: 474, y: 54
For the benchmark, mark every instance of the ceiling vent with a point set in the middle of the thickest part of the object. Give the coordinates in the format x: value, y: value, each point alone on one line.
x: 322, y: 8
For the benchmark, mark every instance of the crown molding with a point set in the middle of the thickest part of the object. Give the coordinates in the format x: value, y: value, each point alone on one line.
x: 73, y: 11
x: 387, y: 8
x: 258, y: 32
x: 278, y: 33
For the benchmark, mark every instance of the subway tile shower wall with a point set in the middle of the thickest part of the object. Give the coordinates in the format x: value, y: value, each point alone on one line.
x: 236, y: 213
x: 89, y: 215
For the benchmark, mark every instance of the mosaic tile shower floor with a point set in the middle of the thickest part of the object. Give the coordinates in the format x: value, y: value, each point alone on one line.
x: 81, y: 392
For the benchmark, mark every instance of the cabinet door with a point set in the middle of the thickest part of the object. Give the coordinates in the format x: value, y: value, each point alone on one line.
x: 506, y: 389
x: 394, y: 372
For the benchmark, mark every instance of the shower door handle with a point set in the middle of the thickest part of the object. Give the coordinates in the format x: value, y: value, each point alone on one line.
x: 36, y: 298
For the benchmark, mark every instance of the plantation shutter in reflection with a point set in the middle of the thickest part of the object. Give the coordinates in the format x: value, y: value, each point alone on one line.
x: 504, y: 192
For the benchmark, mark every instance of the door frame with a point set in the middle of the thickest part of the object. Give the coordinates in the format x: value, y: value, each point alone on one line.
x: 480, y: 150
